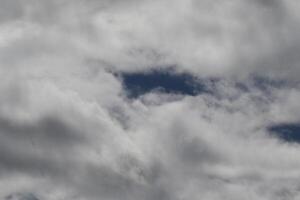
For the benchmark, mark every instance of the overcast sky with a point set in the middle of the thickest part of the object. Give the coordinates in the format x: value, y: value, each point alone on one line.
x: 69, y: 130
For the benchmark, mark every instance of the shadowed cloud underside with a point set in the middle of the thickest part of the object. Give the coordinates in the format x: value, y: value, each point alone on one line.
x: 21, y: 196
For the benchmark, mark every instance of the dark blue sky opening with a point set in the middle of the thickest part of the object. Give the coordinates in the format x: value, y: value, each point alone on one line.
x: 137, y: 84
x: 286, y: 132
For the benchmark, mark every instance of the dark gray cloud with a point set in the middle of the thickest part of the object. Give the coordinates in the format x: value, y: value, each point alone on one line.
x: 40, y: 147
x: 21, y: 196
x: 49, y: 129
x: 10, y: 10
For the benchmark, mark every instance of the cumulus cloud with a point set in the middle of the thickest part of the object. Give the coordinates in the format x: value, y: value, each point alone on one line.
x: 69, y: 131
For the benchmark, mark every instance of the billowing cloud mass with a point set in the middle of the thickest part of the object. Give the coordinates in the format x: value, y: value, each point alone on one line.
x: 69, y: 130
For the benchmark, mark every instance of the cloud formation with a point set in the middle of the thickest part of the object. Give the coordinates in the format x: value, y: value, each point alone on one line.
x: 68, y: 130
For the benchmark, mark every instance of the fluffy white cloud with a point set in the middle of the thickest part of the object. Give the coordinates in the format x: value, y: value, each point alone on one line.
x: 68, y: 131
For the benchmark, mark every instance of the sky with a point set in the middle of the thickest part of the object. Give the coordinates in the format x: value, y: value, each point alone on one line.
x: 149, y: 99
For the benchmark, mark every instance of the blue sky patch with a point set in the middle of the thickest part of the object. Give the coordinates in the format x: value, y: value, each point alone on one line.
x: 137, y: 84
x: 286, y: 132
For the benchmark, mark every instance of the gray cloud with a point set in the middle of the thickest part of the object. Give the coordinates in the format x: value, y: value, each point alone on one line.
x: 20, y: 196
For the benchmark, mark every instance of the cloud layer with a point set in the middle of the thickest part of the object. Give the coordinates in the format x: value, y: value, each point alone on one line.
x: 68, y: 130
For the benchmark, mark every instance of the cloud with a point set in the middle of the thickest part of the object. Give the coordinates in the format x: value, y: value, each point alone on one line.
x: 69, y: 131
